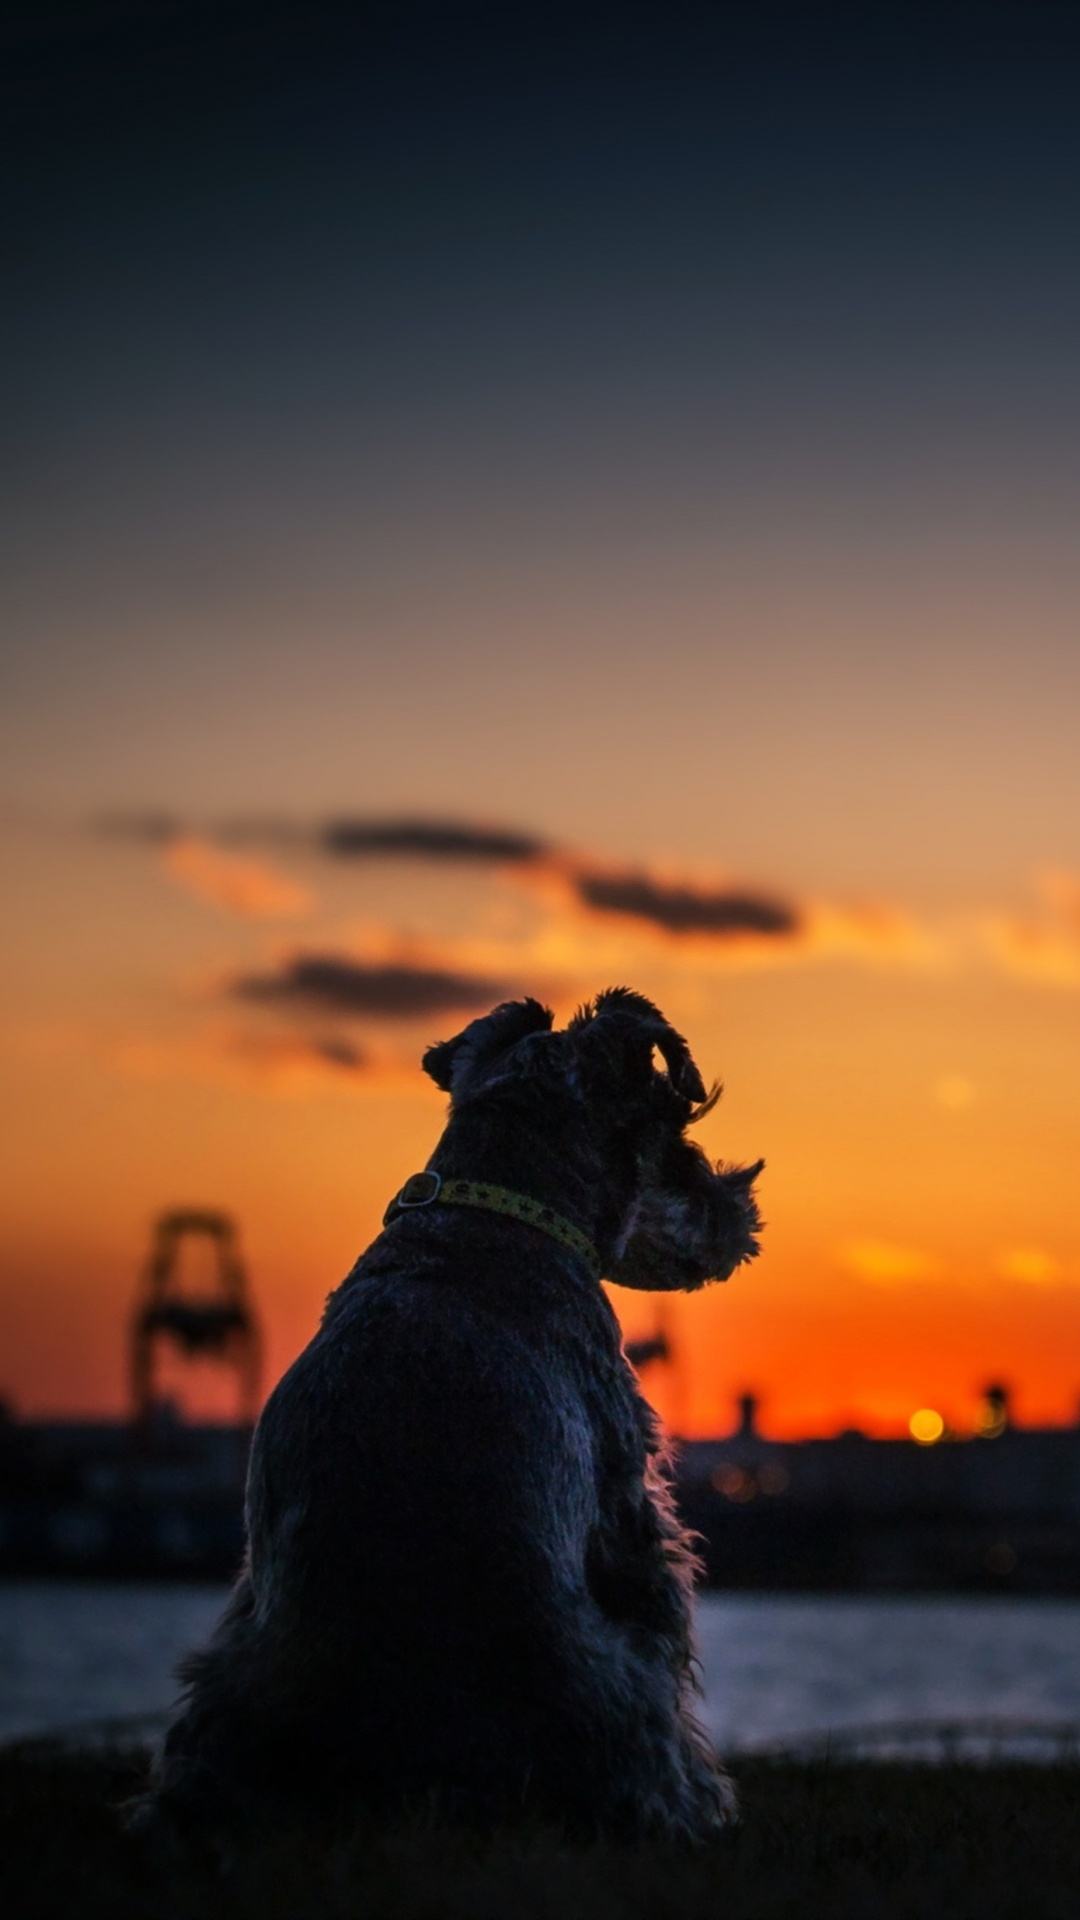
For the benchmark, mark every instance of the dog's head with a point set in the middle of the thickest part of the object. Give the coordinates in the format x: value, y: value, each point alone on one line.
x: 665, y: 1218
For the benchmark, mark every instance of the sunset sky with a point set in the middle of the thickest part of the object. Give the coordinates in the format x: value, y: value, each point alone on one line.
x: 499, y: 506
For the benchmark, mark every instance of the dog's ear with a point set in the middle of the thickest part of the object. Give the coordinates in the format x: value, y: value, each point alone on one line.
x: 689, y: 1223
x: 622, y: 1028
x: 454, y: 1064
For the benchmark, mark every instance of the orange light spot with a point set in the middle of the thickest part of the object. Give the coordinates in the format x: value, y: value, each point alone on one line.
x: 926, y: 1426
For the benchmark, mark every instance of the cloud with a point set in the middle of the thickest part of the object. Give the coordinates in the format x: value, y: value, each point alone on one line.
x: 277, y: 1055
x: 743, y: 923
x: 339, y: 1052
x: 1044, y: 945
x: 884, y: 1264
x: 429, y: 840
x: 713, y: 922
x: 280, y: 1062
x: 874, y: 931
x: 275, y: 1062
x: 594, y: 911
x: 1031, y: 1265
x: 285, y: 1065
x: 233, y: 882
x: 336, y: 984
x: 723, y: 912
x: 344, y: 837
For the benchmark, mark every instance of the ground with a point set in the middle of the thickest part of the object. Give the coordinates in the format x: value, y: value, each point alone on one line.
x: 851, y: 1841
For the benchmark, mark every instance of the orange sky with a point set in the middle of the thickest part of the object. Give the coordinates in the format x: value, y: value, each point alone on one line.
x: 906, y: 1075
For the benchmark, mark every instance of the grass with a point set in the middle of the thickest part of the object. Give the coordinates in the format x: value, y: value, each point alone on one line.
x: 852, y: 1841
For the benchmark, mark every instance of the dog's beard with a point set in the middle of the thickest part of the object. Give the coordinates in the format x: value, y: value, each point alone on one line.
x: 676, y: 1239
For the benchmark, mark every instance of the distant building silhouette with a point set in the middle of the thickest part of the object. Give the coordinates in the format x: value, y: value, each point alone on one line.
x: 161, y: 1497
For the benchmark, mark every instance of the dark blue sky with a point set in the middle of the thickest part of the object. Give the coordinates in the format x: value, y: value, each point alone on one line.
x: 750, y: 252
x: 340, y: 342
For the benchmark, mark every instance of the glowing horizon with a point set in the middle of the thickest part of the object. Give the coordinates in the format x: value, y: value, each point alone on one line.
x: 908, y: 1290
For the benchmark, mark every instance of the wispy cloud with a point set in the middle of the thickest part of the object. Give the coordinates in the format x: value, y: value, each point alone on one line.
x: 720, y: 912
x: 334, y: 983
x: 712, y: 922
x: 885, y: 1264
x: 288, y: 1061
x: 353, y: 839
x: 744, y: 922
x: 282, y: 1064
x: 875, y: 933
x: 344, y: 836
x: 236, y: 883
x: 1033, y: 1266
x: 724, y: 926
x: 1043, y: 945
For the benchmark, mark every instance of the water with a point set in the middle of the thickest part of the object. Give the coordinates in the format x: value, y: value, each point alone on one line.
x: 72, y: 1652
x: 775, y: 1667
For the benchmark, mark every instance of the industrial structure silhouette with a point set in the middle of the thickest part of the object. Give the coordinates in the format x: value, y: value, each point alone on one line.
x: 160, y: 1496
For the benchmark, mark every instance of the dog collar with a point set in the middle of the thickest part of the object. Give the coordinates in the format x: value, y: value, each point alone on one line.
x: 422, y: 1189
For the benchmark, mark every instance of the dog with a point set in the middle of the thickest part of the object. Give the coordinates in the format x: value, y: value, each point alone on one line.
x: 465, y: 1581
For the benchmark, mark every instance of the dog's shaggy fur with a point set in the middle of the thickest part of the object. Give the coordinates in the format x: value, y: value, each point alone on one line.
x: 465, y: 1575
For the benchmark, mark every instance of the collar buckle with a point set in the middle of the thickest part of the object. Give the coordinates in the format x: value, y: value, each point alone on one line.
x: 420, y: 1190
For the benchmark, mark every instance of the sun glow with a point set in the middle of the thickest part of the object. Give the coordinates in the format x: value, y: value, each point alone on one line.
x: 926, y: 1426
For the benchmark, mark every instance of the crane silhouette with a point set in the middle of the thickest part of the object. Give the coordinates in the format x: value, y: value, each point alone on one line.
x: 218, y: 1322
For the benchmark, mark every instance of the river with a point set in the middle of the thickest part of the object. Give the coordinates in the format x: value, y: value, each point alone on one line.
x: 775, y: 1667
